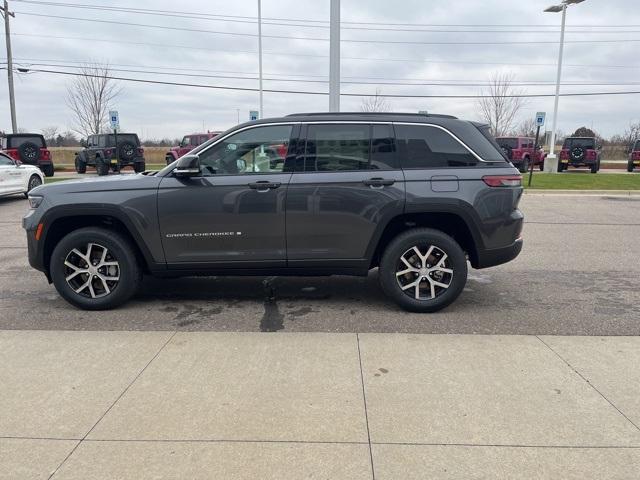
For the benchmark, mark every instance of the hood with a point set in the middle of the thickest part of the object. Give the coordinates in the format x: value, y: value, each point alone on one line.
x: 99, y: 184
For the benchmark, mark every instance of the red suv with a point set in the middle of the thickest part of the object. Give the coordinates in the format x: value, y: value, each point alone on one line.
x: 188, y: 143
x: 634, y: 156
x: 580, y: 152
x: 521, y: 152
x: 29, y: 148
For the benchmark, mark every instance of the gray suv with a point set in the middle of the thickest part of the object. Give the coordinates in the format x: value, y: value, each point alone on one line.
x: 416, y: 196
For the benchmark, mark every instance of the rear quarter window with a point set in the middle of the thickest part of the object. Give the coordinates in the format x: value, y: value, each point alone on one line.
x: 424, y: 146
x: 15, y: 142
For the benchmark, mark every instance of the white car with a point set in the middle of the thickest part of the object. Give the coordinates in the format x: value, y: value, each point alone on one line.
x: 16, y: 177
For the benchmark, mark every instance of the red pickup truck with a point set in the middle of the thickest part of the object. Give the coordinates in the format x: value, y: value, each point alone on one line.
x: 520, y: 151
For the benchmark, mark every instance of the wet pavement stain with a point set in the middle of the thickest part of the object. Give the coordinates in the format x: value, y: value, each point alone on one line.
x: 300, y: 312
x: 272, y: 319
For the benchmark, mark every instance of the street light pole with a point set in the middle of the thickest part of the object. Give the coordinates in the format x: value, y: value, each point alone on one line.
x: 7, y: 36
x: 552, y: 141
x: 334, y: 57
x: 551, y: 162
x: 261, y: 113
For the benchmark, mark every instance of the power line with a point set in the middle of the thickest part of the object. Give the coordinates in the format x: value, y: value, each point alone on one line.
x: 287, y: 54
x: 306, y: 92
x: 323, y: 39
x: 203, y: 15
x: 422, y: 82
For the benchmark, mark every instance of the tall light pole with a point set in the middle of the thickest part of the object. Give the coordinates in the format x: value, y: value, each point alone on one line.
x: 260, y: 113
x: 7, y: 36
x: 334, y: 57
x: 551, y: 162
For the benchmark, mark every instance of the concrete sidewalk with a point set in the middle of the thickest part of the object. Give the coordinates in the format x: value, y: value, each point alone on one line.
x: 205, y: 405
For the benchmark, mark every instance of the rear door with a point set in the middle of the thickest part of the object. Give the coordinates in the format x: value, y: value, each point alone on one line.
x: 347, y: 184
x: 233, y: 213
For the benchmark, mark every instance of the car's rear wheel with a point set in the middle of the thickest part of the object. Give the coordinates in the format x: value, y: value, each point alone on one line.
x: 95, y: 269
x: 594, y: 168
x: 47, y: 170
x: 81, y: 165
x: 34, y: 182
x: 102, y: 167
x: 630, y: 167
x: 423, y: 270
x: 561, y: 167
x: 139, y: 167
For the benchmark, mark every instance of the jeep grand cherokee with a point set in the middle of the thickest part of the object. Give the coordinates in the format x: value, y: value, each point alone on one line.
x: 416, y: 196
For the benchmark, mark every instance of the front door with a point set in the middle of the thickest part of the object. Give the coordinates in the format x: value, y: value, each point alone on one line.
x: 11, y: 176
x: 344, y: 189
x: 233, y: 213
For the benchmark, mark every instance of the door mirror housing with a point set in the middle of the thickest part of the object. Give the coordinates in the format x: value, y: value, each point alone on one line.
x: 187, y: 166
x: 83, y: 143
x: 18, y: 163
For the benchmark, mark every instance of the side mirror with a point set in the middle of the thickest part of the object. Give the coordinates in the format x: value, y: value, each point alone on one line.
x: 187, y: 166
x: 83, y: 143
x: 18, y: 163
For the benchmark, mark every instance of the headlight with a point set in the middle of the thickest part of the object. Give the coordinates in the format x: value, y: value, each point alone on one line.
x: 34, y: 201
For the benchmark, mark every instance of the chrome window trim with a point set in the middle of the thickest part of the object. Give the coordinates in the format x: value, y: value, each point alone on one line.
x: 351, y: 122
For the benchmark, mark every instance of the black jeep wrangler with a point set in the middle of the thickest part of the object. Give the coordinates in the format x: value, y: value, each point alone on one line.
x: 29, y: 148
x: 109, y: 151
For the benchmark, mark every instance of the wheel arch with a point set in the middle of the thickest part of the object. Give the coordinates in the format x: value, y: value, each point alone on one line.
x: 60, y: 225
x: 453, y: 224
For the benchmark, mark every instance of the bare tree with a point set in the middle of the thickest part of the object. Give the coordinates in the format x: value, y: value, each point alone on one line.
x: 500, y: 105
x: 375, y: 103
x: 89, y: 97
x: 527, y: 128
x: 49, y: 134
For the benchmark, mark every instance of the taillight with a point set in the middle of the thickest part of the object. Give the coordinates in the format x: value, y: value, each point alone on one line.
x: 13, y: 153
x: 45, y: 154
x: 140, y: 151
x: 503, y: 180
x: 591, y: 155
x: 107, y: 152
x: 636, y: 155
x: 564, y: 154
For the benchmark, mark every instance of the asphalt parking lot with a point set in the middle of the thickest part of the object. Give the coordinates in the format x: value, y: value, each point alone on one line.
x: 579, y: 274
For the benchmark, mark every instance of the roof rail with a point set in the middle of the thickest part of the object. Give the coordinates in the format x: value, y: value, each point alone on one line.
x: 390, y: 114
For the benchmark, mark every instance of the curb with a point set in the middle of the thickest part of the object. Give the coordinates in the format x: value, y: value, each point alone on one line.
x: 599, y: 193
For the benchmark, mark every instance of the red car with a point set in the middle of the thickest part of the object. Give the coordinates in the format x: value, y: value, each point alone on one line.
x: 29, y: 148
x: 580, y: 152
x: 188, y: 143
x: 520, y: 152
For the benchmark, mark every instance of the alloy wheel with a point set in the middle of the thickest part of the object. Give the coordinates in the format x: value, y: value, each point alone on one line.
x: 92, y: 273
x: 424, y: 272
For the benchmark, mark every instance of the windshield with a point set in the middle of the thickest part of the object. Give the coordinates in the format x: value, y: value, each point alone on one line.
x: 185, y: 141
x: 579, y: 142
x: 15, y: 142
x: 507, y: 142
x: 124, y: 137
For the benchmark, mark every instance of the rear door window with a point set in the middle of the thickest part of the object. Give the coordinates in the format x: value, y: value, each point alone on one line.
x: 342, y: 147
x: 15, y: 142
x: 423, y: 146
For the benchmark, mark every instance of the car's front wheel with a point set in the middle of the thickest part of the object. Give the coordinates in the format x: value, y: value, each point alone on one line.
x: 34, y: 182
x: 524, y: 166
x: 95, y: 269
x: 423, y: 270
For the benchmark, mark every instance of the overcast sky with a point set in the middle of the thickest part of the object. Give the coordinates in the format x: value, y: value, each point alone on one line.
x: 156, y: 111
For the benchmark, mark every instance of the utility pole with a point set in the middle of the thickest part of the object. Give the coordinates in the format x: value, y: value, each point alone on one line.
x: 7, y: 36
x: 261, y: 113
x: 334, y: 56
x: 552, y: 140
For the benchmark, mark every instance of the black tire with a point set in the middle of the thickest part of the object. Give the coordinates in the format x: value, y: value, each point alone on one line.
x: 423, y: 238
x: 139, y: 167
x: 594, y: 167
x: 524, y: 166
x: 120, y: 250
x: 630, y: 167
x: 561, y: 167
x: 34, y: 182
x: 541, y: 166
x: 29, y: 153
x: 169, y: 159
x: 47, y: 170
x: 81, y: 165
x: 102, y: 167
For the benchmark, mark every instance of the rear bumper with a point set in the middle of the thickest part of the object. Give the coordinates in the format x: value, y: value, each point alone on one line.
x: 498, y: 256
